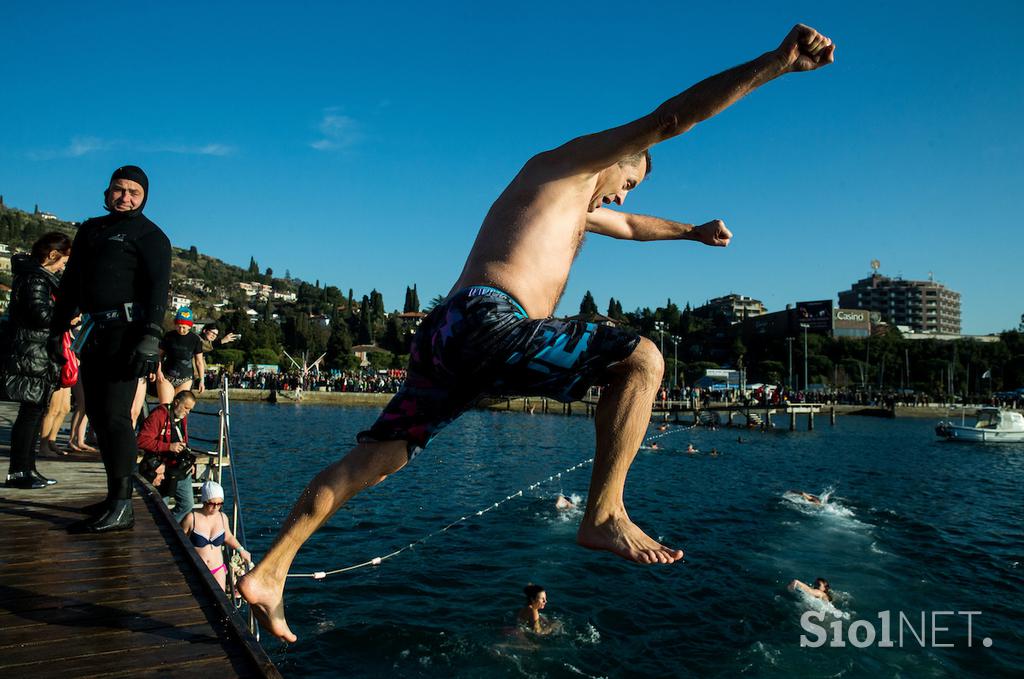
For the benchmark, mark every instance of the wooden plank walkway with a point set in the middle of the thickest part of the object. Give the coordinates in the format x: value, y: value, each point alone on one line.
x: 130, y: 603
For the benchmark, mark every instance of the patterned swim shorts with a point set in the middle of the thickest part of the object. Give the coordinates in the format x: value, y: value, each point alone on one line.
x: 481, y: 342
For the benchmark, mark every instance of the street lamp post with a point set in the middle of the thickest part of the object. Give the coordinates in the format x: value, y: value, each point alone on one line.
x: 659, y: 327
x: 675, y: 361
x: 789, y: 373
x: 805, y: 326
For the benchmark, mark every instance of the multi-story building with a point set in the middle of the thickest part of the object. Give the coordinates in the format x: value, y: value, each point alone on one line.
x: 178, y: 301
x: 735, y: 308
x: 924, y: 306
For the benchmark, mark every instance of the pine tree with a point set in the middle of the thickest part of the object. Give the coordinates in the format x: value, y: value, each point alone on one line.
x: 588, y: 307
x: 254, y: 268
x: 193, y: 254
x: 365, y: 335
x: 412, y: 300
x: 615, y: 309
x: 377, y: 306
x: 339, y: 345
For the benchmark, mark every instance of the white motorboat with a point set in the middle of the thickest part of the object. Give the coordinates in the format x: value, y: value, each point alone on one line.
x: 994, y: 425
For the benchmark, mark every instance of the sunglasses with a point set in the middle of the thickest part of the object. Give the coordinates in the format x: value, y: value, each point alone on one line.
x: 215, y: 504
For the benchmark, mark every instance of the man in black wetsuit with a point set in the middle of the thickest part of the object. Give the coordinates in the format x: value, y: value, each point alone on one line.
x: 118, y: 273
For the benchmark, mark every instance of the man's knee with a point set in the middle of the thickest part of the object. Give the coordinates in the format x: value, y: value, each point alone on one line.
x: 645, y: 363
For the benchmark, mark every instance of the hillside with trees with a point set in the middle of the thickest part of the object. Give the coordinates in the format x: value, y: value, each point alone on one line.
x: 273, y: 314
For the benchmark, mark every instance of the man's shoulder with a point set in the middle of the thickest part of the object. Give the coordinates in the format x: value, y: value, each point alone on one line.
x: 93, y: 223
x: 147, y: 227
x: 159, y: 413
x: 554, y: 164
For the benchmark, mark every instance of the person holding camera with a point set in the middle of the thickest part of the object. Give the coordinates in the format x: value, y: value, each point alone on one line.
x: 163, y: 441
x: 119, y: 274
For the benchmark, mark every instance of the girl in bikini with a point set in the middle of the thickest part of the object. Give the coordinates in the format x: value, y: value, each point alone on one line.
x: 208, y: 531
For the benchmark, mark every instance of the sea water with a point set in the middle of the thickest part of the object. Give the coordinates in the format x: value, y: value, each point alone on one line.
x: 910, y: 525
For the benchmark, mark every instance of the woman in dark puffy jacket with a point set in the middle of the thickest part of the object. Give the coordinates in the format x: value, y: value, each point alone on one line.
x: 29, y: 376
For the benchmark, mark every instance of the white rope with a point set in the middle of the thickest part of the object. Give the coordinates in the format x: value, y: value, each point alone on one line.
x: 378, y: 560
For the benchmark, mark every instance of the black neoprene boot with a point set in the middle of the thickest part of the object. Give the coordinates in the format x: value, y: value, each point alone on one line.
x: 116, y: 511
x: 120, y: 516
x: 97, y: 509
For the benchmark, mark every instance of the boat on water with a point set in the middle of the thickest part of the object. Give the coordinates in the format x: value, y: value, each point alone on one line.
x: 994, y: 425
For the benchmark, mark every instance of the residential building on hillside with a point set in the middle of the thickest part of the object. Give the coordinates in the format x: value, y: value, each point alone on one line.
x: 733, y: 307
x: 178, y: 301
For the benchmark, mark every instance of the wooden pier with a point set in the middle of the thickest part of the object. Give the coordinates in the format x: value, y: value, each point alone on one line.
x: 124, y: 604
x: 753, y: 415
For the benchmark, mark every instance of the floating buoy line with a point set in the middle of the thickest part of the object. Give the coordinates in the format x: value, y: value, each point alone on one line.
x: 378, y: 560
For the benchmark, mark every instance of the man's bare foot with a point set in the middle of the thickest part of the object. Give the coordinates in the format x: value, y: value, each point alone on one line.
x: 623, y: 537
x: 267, y: 602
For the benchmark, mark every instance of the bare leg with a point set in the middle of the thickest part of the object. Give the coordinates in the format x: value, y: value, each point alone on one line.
x: 365, y: 465
x: 138, y: 401
x: 221, y: 577
x: 60, y: 405
x: 164, y: 390
x: 51, y: 414
x: 622, y: 417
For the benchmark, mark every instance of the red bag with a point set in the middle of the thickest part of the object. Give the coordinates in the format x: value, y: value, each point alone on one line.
x: 69, y: 371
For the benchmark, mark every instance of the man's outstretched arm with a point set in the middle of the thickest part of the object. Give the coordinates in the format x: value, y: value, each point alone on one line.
x: 627, y: 226
x: 804, y: 49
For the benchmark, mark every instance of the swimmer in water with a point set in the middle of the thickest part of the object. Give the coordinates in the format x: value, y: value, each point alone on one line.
x: 820, y: 590
x: 714, y: 452
x: 813, y: 499
x: 563, y: 502
x: 663, y: 427
x: 529, y: 615
x: 691, y: 450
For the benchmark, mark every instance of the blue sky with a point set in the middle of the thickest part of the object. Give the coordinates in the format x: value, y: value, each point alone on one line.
x: 361, y: 144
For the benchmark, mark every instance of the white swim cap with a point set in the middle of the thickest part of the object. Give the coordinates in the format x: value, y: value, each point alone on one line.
x: 211, y: 490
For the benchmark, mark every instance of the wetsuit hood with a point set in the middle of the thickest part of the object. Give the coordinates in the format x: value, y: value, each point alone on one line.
x: 131, y: 173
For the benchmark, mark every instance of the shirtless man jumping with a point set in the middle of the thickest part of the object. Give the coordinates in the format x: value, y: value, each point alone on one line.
x: 494, y: 333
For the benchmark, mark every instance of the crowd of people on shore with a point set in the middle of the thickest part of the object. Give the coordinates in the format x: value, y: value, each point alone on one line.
x: 780, y: 395
x: 363, y: 381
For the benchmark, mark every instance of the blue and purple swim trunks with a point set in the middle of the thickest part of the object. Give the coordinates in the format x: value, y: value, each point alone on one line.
x: 480, y: 342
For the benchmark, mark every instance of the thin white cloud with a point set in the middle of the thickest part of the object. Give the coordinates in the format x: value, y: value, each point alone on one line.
x: 78, y: 147
x: 193, y: 150
x: 81, y: 146
x: 338, y: 132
